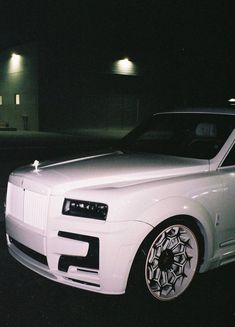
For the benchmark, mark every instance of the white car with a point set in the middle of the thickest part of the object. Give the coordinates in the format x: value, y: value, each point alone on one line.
x: 155, y: 210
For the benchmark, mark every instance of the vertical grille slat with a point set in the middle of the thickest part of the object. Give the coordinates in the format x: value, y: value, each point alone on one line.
x: 27, y: 206
x: 35, y: 209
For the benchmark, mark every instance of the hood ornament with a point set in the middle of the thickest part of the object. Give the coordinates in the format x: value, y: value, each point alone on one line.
x: 35, y: 165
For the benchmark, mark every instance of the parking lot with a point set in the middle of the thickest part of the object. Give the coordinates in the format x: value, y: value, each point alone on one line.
x: 27, y: 298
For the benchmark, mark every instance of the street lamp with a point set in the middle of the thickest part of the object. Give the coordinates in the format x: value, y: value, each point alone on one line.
x: 124, y: 67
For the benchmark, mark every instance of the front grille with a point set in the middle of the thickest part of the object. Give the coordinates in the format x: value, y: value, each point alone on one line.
x: 27, y: 206
x: 29, y: 252
x: 35, y: 209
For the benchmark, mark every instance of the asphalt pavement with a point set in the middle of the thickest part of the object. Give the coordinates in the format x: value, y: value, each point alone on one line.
x: 27, y: 299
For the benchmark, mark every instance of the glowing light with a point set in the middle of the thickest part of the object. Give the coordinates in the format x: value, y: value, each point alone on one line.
x: 124, y: 67
x: 17, y: 99
x: 15, y: 56
x: 232, y: 101
x: 125, y: 64
x: 15, y: 63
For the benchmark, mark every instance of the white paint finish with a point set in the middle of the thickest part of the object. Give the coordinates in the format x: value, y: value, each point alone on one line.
x: 226, y: 227
x: 141, y: 191
x: 109, y: 170
x: 15, y: 201
x: 69, y: 247
x: 27, y: 235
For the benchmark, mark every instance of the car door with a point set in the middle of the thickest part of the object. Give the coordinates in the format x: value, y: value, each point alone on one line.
x: 226, y: 221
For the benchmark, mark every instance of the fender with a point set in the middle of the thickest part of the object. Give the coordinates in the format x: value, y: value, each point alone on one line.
x: 178, y: 206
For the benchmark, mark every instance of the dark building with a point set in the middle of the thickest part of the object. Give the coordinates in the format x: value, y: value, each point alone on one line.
x: 76, y: 75
x: 41, y: 89
x: 58, y: 87
x: 19, y: 87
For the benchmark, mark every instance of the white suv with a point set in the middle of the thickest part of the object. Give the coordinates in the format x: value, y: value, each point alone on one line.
x: 153, y: 211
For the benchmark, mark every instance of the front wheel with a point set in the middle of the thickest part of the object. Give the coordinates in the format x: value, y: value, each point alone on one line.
x: 170, y: 261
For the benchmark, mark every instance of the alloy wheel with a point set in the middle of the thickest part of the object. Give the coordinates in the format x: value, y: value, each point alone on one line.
x: 171, y: 262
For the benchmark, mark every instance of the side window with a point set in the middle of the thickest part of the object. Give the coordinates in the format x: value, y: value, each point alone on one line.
x: 230, y: 159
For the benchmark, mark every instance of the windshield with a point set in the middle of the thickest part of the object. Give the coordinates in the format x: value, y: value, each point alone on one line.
x: 192, y: 135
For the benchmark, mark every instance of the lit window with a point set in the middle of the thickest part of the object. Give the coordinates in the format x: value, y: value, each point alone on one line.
x: 17, y: 99
x: 1, y: 103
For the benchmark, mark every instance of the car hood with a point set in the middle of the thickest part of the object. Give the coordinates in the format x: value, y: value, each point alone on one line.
x: 116, y: 169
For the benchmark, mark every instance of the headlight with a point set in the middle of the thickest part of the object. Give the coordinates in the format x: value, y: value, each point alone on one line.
x: 85, y: 209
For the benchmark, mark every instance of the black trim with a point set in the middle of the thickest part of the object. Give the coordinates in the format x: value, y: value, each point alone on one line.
x: 90, y: 261
x: 29, y: 252
x: 83, y: 282
x: 87, y: 270
x: 85, y: 209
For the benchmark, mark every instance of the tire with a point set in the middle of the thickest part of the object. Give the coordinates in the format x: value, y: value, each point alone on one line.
x: 167, y: 261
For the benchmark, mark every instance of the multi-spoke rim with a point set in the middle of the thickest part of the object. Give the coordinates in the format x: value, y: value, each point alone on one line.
x: 171, y: 262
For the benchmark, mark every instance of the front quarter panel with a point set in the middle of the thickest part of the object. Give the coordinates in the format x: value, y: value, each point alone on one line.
x: 196, y: 195
x: 199, y: 197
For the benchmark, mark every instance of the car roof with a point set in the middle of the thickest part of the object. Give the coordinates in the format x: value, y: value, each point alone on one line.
x: 201, y: 110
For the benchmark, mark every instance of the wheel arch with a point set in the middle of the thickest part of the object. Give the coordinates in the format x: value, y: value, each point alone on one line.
x: 192, y: 223
x: 189, y: 221
x: 187, y: 210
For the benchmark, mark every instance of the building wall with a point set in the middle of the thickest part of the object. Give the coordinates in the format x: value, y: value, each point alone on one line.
x: 18, y: 75
x: 74, y: 96
x: 103, y: 111
x: 60, y: 90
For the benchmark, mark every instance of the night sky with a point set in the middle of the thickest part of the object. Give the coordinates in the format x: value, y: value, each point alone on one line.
x: 190, y: 42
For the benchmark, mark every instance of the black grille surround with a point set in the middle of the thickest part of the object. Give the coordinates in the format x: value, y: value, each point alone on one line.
x: 91, y: 261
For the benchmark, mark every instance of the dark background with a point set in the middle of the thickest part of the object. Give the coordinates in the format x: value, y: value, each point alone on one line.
x: 185, y: 49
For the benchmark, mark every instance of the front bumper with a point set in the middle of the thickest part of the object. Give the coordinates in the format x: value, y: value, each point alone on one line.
x: 95, y: 256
